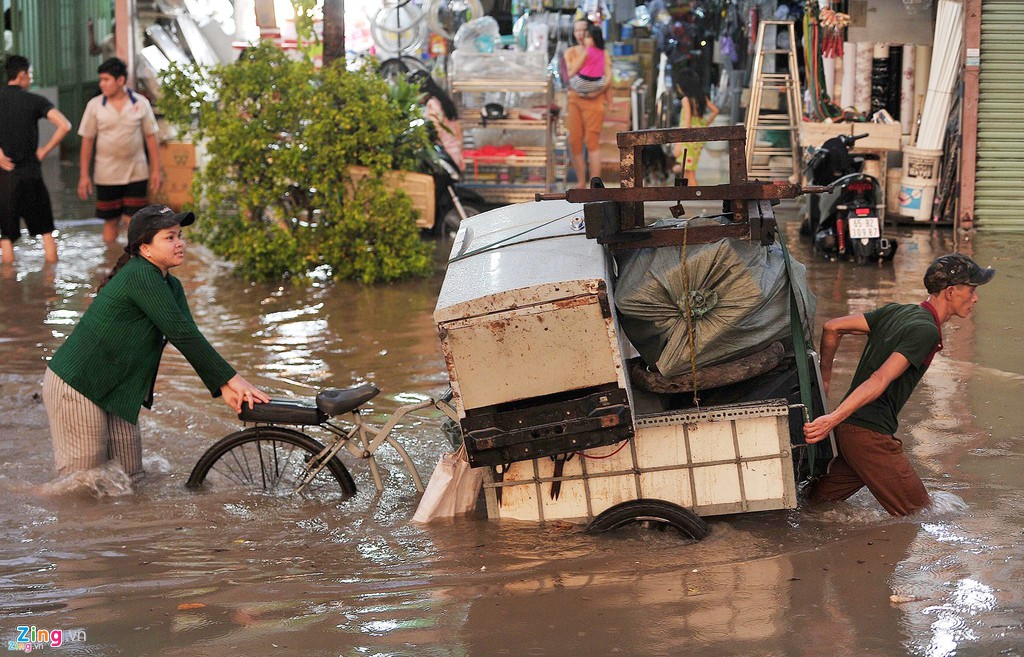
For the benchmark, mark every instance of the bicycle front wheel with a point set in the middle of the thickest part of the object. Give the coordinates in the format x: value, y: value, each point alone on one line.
x: 271, y: 459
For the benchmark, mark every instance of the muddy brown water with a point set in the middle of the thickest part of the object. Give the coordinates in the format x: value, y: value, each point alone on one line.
x: 166, y: 571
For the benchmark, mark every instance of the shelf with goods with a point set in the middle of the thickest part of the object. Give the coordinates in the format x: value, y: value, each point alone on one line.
x: 507, y: 160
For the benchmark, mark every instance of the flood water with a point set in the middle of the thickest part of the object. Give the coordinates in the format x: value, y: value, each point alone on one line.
x: 165, y: 571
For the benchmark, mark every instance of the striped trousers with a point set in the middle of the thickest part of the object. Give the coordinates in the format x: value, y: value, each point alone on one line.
x: 84, y: 435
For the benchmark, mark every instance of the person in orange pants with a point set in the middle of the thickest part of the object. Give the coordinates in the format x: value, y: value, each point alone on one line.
x: 586, y: 110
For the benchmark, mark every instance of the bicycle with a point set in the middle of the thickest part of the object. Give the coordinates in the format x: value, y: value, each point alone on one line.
x: 274, y: 457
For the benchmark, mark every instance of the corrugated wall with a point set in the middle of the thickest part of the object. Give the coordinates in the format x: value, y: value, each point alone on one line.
x: 999, y: 195
x: 52, y: 34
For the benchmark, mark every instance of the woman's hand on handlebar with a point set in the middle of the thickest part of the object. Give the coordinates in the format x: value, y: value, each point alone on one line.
x: 238, y: 391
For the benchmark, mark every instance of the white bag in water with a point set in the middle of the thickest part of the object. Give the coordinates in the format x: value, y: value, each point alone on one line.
x: 739, y: 302
x: 452, y: 489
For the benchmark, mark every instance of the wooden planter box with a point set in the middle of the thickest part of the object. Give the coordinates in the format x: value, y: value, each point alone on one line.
x: 177, y: 164
x: 419, y: 187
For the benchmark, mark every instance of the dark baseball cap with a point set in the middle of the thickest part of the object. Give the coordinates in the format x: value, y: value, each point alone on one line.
x: 153, y: 218
x: 955, y: 269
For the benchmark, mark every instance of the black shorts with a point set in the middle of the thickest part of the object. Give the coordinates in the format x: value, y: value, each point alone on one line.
x: 112, y: 201
x: 24, y: 198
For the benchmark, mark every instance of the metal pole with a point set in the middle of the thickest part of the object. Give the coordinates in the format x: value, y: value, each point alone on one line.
x: 969, y: 122
x: 124, y: 35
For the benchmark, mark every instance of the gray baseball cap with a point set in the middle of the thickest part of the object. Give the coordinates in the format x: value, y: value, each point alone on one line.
x: 955, y: 269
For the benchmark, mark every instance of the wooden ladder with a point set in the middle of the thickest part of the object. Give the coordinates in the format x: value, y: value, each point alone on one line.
x: 772, y: 162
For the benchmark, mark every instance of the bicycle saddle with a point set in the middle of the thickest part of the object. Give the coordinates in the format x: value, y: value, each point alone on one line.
x: 336, y: 401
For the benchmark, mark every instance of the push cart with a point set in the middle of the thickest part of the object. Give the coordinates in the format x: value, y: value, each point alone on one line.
x: 541, y: 370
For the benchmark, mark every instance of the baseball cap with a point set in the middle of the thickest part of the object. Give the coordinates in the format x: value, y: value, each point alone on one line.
x: 153, y: 218
x: 955, y: 269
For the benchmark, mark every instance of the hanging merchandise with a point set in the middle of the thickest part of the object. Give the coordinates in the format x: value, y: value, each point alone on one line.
x: 398, y: 29
x: 478, y: 35
x: 820, y: 105
x: 833, y: 24
x: 445, y: 17
x: 596, y: 11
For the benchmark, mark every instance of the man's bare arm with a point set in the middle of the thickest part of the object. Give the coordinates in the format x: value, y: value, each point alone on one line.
x: 831, y: 334
x: 862, y: 395
x: 84, y: 165
x: 155, y: 175
x: 63, y: 126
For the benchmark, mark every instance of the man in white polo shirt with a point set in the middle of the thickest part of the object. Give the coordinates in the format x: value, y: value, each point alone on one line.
x: 119, y: 125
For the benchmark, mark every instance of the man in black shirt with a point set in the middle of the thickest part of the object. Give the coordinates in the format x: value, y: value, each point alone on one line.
x: 23, y: 195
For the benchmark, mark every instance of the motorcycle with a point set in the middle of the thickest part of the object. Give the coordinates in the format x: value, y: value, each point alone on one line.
x: 844, y: 223
x: 453, y: 201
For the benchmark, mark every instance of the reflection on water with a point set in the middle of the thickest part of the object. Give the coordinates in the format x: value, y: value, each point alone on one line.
x: 171, y: 572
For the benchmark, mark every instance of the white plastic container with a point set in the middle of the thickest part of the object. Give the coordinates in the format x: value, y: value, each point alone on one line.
x: 921, y: 163
x: 916, y: 196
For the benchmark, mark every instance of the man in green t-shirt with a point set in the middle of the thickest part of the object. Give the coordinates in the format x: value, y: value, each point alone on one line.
x: 902, y: 339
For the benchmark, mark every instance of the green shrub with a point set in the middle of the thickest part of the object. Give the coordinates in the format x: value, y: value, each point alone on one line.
x: 280, y: 136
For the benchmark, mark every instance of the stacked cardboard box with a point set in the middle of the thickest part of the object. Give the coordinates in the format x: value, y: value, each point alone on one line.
x: 178, y: 164
x: 617, y: 118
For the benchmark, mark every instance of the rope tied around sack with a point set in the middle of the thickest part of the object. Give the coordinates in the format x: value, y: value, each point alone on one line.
x: 687, y: 302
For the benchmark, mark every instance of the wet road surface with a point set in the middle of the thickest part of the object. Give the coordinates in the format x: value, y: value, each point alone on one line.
x: 166, y: 571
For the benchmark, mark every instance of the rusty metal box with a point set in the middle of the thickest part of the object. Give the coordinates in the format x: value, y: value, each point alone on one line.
x: 530, y: 339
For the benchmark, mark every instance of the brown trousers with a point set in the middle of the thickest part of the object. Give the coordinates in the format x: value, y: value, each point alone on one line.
x: 876, y: 460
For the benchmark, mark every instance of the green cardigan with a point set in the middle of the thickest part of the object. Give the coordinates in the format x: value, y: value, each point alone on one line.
x: 113, y: 354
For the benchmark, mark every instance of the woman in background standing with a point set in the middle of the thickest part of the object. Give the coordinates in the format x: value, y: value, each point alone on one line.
x: 586, y: 110
x: 694, y: 113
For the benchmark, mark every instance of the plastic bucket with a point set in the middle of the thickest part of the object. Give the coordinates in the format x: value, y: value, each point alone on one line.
x: 916, y: 198
x: 921, y: 163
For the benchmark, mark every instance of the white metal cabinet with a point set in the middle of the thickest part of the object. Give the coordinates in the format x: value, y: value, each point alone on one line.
x: 526, y: 319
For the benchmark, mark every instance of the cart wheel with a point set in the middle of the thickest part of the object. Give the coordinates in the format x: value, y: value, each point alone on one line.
x: 655, y: 512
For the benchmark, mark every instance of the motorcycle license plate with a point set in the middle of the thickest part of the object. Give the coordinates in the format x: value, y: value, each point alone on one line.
x: 864, y: 227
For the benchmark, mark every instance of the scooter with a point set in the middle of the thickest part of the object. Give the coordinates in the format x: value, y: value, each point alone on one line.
x: 453, y: 201
x: 844, y: 223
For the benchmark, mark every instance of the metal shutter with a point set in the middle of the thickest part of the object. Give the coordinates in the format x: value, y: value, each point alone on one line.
x: 999, y: 193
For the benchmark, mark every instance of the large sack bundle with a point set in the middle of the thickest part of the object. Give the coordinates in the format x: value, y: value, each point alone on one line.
x: 738, y: 299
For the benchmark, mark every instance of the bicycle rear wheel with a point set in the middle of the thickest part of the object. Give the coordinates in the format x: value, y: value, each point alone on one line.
x: 271, y: 459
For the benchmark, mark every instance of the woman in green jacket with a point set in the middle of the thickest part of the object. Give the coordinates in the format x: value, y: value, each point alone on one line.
x: 101, y: 376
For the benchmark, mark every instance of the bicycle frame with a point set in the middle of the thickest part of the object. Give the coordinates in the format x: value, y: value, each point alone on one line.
x: 363, y: 439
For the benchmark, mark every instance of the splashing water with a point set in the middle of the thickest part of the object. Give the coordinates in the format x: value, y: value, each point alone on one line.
x: 108, y: 480
x: 155, y: 464
x: 944, y: 504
